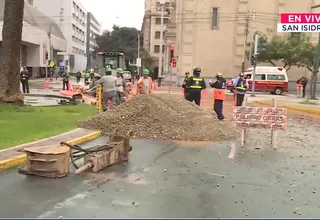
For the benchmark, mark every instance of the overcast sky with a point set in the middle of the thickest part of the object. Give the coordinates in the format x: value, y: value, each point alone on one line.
x: 120, y: 12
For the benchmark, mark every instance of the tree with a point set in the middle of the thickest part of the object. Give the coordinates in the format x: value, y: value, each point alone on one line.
x: 123, y: 39
x: 11, y: 44
x: 295, y: 49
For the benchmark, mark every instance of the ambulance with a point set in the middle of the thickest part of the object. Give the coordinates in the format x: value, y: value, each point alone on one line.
x: 268, y: 79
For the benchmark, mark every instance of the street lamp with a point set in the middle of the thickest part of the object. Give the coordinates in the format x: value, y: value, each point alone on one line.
x: 162, y: 2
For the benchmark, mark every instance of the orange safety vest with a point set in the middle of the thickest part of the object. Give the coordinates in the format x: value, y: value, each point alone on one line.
x: 219, y: 94
x: 141, y: 84
x: 299, y: 85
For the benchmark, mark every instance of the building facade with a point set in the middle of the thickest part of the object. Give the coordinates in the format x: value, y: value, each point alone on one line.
x: 152, y: 27
x: 212, y: 34
x: 37, y: 27
x: 93, y: 30
x: 71, y: 17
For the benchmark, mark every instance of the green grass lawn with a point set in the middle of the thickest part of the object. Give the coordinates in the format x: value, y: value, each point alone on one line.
x: 20, y: 125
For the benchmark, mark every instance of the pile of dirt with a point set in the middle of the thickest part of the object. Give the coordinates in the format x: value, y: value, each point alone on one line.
x: 161, y: 116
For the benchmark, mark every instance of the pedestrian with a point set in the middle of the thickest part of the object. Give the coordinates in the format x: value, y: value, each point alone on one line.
x: 240, y: 88
x: 219, y: 95
x: 65, y: 81
x: 195, y: 85
x: 109, y: 84
x: 86, y: 77
x: 24, y: 79
x: 78, y: 76
x: 121, y: 83
x: 185, y: 90
x: 144, y: 84
x: 301, y: 87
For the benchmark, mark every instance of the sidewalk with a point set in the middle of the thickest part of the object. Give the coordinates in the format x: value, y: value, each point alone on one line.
x: 11, y: 157
x: 288, y: 101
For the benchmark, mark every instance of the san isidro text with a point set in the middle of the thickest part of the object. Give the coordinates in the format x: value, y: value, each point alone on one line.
x: 300, y: 27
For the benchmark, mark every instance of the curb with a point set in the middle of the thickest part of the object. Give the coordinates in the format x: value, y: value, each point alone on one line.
x: 21, y: 159
x: 293, y: 107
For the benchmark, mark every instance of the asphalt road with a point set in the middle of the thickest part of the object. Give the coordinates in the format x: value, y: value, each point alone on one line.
x: 163, y: 179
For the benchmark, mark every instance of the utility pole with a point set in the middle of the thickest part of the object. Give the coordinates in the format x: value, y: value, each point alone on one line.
x: 138, y: 61
x: 256, y: 41
x: 246, y: 32
x: 50, y: 52
x: 315, y: 67
x: 161, y: 40
x: 252, y: 32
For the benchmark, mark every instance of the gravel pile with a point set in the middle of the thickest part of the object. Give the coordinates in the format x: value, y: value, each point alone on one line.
x: 163, y: 117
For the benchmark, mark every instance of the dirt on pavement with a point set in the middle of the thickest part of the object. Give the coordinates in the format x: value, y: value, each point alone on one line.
x: 162, y: 117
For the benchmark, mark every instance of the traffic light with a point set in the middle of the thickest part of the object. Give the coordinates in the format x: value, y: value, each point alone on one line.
x: 47, y: 55
x: 174, y: 63
x: 262, y: 45
x: 172, y: 60
x: 253, y: 60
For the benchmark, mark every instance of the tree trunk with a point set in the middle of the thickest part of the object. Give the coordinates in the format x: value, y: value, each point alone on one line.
x: 11, y: 45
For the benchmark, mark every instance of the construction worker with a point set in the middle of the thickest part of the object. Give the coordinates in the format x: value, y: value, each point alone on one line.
x: 240, y: 88
x: 24, y: 79
x: 86, y: 77
x: 195, y: 85
x: 144, y: 85
x: 121, y: 84
x: 65, y: 80
x: 52, y: 66
x: 78, y: 76
x: 219, y: 95
x: 185, y: 90
x: 109, y: 84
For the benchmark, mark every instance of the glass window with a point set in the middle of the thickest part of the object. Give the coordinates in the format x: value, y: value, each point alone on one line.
x: 214, y: 18
x: 158, y: 20
x: 157, y: 48
x: 276, y: 77
x: 260, y: 76
x: 157, y: 35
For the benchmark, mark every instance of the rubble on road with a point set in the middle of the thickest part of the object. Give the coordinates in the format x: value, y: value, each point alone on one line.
x: 163, y: 117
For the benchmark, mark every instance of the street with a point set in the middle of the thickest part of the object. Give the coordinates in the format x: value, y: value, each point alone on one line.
x: 164, y: 179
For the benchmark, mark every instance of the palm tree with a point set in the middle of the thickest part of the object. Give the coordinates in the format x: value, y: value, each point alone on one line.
x: 10, y: 59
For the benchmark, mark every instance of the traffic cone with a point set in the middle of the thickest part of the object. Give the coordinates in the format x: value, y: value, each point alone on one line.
x: 204, y: 92
x: 69, y: 87
x: 47, y: 84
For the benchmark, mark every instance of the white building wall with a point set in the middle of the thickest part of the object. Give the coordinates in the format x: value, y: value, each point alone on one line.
x: 70, y: 15
x: 37, y: 43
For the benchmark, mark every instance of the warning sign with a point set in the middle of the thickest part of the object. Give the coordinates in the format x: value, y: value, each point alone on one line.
x: 257, y: 117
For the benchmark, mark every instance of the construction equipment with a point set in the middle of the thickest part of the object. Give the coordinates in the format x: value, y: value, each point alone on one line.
x: 49, y: 161
x: 100, y: 157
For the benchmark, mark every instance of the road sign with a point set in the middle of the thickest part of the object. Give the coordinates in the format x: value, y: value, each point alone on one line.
x: 257, y: 117
x: 247, y: 117
x: 138, y: 62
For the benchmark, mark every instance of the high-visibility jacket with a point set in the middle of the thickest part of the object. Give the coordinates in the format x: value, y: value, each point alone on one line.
x: 196, y: 83
x: 219, y: 94
x: 140, y: 86
x: 241, y: 85
x: 52, y: 64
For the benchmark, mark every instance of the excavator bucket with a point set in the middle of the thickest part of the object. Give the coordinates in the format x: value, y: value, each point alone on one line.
x: 101, y: 157
x: 50, y: 162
